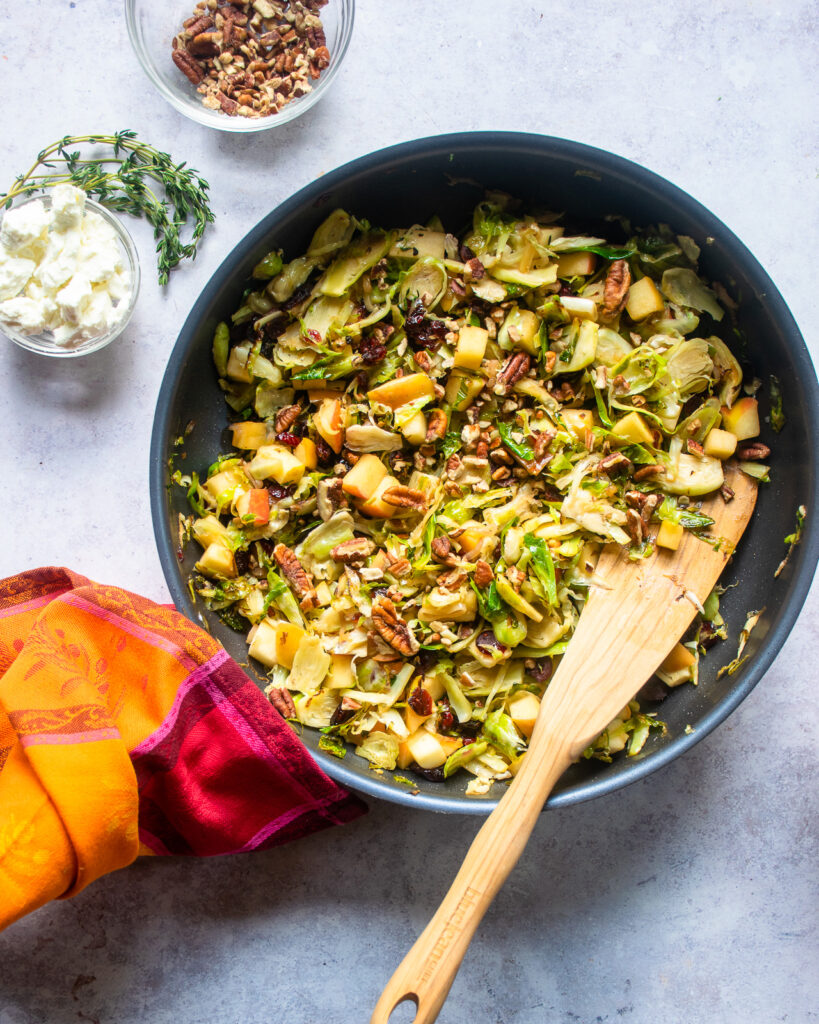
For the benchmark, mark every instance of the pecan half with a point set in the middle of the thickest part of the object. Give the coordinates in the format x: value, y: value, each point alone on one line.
x: 405, y: 497
x: 282, y: 701
x: 483, y: 573
x: 514, y: 369
x: 399, y: 567
x: 196, y: 25
x: 753, y: 451
x: 615, y: 290
x: 441, y: 548
x: 436, y: 425
x: 188, y: 65
x: 286, y: 417
x: 292, y: 570
x: 392, y: 628
x: 355, y: 550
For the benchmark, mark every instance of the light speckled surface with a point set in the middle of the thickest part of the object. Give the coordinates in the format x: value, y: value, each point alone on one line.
x: 689, y: 897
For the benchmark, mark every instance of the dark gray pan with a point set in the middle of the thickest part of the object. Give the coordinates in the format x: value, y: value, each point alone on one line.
x: 446, y: 175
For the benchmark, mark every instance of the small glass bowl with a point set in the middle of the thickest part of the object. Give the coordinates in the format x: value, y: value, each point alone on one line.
x: 152, y: 27
x: 44, y: 342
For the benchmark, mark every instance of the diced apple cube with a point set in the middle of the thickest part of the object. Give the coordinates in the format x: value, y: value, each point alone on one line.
x: 462, y: 389
x: 576, y: 264
x: 263, y: 645
x: 471, y: 538
x: 217, y: 560
x: 720, y: 444
x: 742, y: 419
x: 426, y: 749
x: 305, y: 452
x: 679, y: 658
x: 362, y: 480
x: 237, y: 363
x: 434, y: 685
x: 329, y: 422
x: 471, y: 347
x: 669, y: 535
x: 341, y: 672
x: 249, y: 434
x: 578, y: 421
x: 415, y: 428
x: 402, y: 390
x: 288, y: 638
x: 375, y: 505
x: 577, y: 306
x: 253, y: 506
x: 632, y: 428
x: 277, y: 461
x: 644, y: 299
x: 523, y: 710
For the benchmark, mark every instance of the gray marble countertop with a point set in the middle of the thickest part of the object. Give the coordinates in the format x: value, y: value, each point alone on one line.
x: 689, y: 897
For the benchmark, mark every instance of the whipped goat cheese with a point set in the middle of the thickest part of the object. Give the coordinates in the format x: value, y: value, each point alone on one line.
x: 61, y: 269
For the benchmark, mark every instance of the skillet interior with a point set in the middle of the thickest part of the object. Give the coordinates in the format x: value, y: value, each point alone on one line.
x: 447, y: 175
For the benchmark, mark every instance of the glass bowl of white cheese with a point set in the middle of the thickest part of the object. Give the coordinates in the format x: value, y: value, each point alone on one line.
x: 69, y: 274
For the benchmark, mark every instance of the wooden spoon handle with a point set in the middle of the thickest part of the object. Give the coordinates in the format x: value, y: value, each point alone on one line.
x: 426, y: 973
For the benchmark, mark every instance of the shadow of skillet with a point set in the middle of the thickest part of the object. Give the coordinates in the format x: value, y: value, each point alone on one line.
x: 343, y: 903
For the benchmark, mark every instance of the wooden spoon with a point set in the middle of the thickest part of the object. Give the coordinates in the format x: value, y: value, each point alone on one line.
x: 623, y: 635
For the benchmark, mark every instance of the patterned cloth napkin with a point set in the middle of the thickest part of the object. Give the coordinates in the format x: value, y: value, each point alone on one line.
x: 127, y: 730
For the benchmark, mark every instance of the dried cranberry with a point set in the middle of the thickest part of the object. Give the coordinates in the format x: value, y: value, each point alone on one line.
x: 372, y: 350
x: 312, y: 336
x: 564, y: 289
x: 341, y: 714
x: 324, y: 453
x: 291, y: 440
x: 653, y: 690
x: 430, y: 774
x: 427, y: 659
x: 470, y: 729
x: 278, y: 492
x: 542, y: 670
x: 421, y: 332
x: 708, y: 635
x: 301, y: 293
x: 466, y: 254
x: 488, y: 643
x: 420, y: 700
x: 446, y: 719
x: 242, y: 560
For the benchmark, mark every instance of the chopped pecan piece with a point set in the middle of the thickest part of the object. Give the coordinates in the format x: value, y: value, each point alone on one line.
x: 204, y: 45
x: 392, y: 628
x: 753, y: 450
x: 330, y: 497
x: 297, y: 578
x: 726, y: 493
x: 280, y: 698
x: 655, y: 469
x: 286, y: 417
x: 475, y: 269
x: 436, y: 425
x: 356, y: 550
x: 614, y: 463
x: 422, y: 361
x: 483, y: 573
x: 514, y: 369
x: 405, y: 497
x: 634, y: 525
x: 399, y: 567
x: 615, y: 290
x: 694, y: 448
x: 454, y: 465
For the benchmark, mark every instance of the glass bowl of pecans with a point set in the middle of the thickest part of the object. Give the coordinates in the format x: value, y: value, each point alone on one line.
x: 241, y: 65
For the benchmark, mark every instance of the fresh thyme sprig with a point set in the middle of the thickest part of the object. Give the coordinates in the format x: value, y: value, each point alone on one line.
x: 121, y: 183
